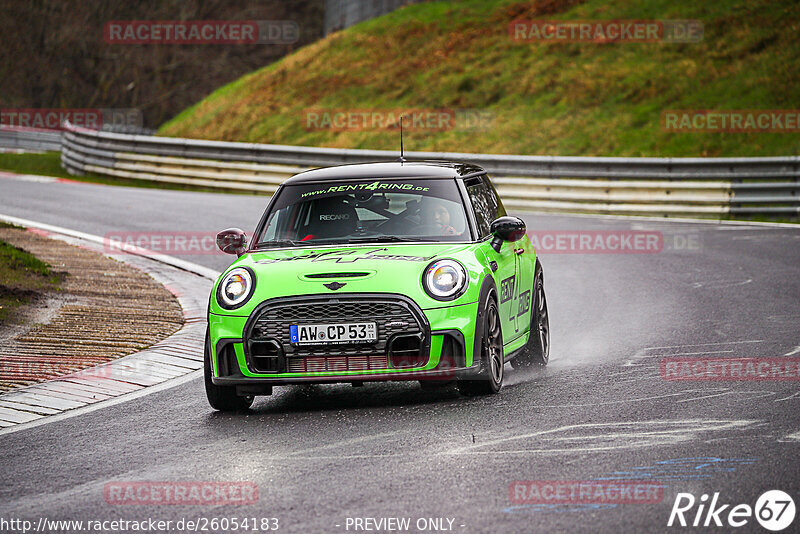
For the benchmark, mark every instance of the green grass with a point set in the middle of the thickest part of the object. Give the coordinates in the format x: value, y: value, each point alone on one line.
x: 766, y: 218
x: 43, y: 164
x: 556, y: 99
x: 22, y: 277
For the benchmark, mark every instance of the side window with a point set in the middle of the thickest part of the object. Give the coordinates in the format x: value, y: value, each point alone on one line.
x: 501, y: 210
x: 485, y: 203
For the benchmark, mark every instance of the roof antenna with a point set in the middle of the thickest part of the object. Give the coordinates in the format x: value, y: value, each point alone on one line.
x: 402, y: 159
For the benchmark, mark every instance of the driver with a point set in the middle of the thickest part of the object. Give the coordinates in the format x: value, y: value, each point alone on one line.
x: 438, y: 216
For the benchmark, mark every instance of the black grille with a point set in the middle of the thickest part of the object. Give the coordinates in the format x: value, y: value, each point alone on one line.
x: 336, y: 275
x: 393, y: 317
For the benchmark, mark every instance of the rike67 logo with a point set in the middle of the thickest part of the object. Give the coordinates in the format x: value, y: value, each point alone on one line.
x: 774, y: 510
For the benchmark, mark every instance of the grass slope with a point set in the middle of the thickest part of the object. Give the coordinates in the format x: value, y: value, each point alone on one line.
x: 545, y: 98
x: 22, y: 277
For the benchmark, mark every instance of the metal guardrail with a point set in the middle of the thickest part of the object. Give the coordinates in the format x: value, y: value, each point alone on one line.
x: 30, y: 139
x: 663, y: 186
x: 41, y: 140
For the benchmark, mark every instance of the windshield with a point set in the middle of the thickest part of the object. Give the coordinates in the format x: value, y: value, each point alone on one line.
x: 377, y: 211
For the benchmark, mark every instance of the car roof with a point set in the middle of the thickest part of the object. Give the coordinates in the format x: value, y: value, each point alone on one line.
x: 408, y: 169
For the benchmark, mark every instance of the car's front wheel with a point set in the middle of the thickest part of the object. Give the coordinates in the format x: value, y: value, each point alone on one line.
x: 490, y: 378
x: 222, y: 398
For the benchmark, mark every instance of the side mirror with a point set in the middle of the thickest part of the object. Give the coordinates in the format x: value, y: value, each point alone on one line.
x: 506, y: 228
x: 232, y: 241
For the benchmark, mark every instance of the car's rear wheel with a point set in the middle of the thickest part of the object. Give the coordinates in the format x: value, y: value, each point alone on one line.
x: 222, y: 398
x: 537, y: 351
x: 490, y: 378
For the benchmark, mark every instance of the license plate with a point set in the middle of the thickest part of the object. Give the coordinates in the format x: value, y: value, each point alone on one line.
x: 333, y: 334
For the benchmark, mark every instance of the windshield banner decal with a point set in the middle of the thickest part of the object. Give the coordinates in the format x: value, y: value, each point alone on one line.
x: 373, y: 186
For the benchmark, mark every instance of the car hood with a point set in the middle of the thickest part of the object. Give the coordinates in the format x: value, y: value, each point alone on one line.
x: 392, y: 268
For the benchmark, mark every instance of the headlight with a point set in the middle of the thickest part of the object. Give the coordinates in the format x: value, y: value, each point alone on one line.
x: 445, y: 279
x: 236, y: 288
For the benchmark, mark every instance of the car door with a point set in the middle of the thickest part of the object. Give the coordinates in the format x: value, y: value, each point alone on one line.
x: 525, y: 267
x: 487, y: 207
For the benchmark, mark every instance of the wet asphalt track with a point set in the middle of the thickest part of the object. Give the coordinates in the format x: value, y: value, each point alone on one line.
x: 600, y: 410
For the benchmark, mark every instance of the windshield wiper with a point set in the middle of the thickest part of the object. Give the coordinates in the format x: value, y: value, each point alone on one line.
x: 277, y: 243
x: 386, y: 239
x: 339, y: 241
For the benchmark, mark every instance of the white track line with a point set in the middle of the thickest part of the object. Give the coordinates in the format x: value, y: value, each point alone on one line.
x: 793, y: 437
x: 794, y: 395
x: 183, y: 336
x: 199, y: 270
x: 106, y: 403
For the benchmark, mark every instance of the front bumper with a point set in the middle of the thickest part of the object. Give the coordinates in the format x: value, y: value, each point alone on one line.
x: 433, y: 375
x: 447, y: 354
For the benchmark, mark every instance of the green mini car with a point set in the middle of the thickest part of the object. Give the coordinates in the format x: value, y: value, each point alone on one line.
x: 376, y: 271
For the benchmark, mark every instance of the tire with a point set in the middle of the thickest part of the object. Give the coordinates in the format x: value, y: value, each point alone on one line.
x: 537, y: 351
x: 490, y: 378
x: 222, y: 398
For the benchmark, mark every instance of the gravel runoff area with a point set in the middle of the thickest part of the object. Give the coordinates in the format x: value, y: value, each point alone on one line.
x: 105, y: 309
